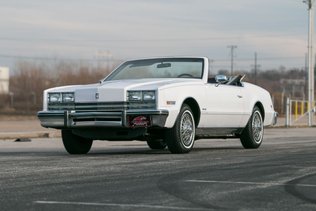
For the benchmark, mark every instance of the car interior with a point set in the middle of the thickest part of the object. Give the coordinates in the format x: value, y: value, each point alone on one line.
x: 232, y: 80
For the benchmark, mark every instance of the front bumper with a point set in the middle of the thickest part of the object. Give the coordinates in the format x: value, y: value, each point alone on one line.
x: 73, y: 119
x: 275, y: 118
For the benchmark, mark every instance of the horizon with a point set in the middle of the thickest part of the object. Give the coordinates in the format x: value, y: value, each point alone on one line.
x: 98, y: 31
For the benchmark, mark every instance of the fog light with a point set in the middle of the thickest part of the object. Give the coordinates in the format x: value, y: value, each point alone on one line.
x: 139, y: 121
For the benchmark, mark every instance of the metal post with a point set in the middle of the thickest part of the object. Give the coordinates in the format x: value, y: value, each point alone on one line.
x: 33, y: 98
x: 11, y: 99
x: 287, y: 116
x: 255, y: 67
x: 310, y: 4
x: 290, y: 112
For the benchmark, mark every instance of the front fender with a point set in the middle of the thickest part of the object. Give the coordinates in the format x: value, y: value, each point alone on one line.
x: 172, y: 100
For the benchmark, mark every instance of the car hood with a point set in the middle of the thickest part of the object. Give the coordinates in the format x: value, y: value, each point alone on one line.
x: 115, y: 91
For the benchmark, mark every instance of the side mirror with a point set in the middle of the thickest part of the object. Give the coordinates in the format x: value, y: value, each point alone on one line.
x: 221, y: 79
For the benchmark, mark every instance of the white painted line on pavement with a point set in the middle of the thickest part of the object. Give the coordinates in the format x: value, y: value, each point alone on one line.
x: 250, y: 183
x: 119, y: 205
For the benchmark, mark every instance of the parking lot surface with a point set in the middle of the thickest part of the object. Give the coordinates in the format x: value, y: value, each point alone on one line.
x: 216, y: 175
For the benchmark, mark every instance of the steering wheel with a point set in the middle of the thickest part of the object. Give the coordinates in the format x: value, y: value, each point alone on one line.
x: 185, y: 75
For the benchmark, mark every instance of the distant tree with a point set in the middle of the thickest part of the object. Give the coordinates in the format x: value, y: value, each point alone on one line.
x: 31, y: 78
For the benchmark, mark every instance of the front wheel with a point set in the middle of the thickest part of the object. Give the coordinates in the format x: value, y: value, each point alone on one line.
x: 156, y: 144
x: 75, y: 144
x: 180, y: 138
x: 252, y: 136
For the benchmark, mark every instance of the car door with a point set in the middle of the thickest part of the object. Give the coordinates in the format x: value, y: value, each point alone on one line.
x: 224, y: 106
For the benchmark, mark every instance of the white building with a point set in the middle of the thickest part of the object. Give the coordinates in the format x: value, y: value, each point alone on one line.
x: 4, y: 80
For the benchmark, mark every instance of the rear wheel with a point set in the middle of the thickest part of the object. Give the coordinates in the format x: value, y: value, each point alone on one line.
x: 252, y: 136
x: 180, y: 138
x: 75, y: 144
x: 156, y: 144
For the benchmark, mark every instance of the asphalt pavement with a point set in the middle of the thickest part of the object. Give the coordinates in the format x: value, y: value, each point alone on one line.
x: 216, y: 175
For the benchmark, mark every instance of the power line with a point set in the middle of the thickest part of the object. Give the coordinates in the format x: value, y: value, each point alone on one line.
x: 113, y: 59
x: 55, y: 58
x: 142, y: 40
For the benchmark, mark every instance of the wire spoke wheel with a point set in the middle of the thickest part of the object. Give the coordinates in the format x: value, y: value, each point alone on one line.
x: 252, y: 135
x: 180, y: 138
x: 257, y: 127
x: 187, y: 129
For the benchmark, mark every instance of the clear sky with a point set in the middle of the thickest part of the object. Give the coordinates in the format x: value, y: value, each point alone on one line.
x: 123, y: 29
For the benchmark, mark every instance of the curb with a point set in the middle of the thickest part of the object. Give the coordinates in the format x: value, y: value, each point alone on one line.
x: 23, y: 135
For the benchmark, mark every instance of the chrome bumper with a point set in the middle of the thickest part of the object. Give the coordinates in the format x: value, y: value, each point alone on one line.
x: 73, y: 119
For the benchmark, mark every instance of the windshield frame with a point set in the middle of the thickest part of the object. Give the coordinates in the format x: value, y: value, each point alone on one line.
x: 154, y: 60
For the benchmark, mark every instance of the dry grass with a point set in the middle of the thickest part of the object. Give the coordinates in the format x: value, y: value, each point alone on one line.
x: 13, y: 117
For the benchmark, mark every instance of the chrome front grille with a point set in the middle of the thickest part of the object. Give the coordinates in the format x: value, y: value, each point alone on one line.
x: 60, y: 107
x: 102, y: 106
x: 116, y: 106
x: 107, y: 118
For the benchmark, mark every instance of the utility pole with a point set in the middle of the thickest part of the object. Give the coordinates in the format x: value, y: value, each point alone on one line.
x: 232, y: 48
x: 256, y: 67
x: 104, y: 55
x: 211, y: 61
x: 310, y: 5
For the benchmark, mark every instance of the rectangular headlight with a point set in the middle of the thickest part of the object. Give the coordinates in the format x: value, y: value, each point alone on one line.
x: 54, y: 97
x: 149, y: 95
x: 134, y: 95
x: 141, y: 95
x: 68, y: 97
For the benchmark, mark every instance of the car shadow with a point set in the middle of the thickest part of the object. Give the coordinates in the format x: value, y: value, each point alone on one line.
x: 120, y: 151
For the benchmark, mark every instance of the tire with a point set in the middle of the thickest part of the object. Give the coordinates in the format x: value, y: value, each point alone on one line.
x: 156, y: 144
x: 180, y: 138
x: 75, y: 144
x: 252, y: 135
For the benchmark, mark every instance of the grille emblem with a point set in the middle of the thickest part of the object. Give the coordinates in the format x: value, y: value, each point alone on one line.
x: 97, y: 95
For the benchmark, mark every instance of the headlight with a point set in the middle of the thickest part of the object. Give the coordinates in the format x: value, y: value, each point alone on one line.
x: 54, y: 97
x: 149, y: 95
x: 134, y: 95
x: 141, y: 95
x: 68, y: 97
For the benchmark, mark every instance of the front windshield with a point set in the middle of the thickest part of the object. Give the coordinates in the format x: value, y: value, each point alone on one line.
x: 159, y: 68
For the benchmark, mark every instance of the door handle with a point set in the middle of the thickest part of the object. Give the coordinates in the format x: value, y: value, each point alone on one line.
x: 239, y: 96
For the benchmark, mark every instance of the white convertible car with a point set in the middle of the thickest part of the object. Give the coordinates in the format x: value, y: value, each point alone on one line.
x: 168, y: 102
